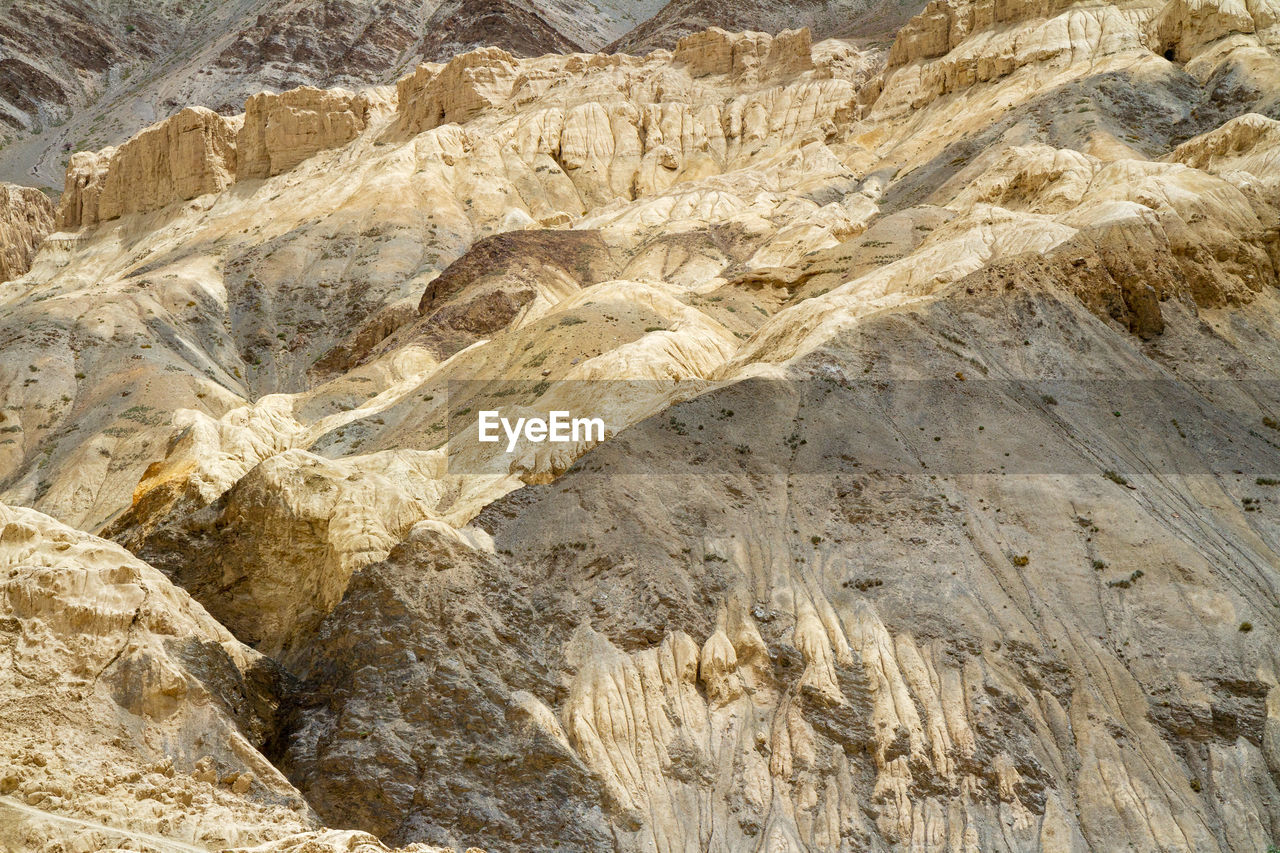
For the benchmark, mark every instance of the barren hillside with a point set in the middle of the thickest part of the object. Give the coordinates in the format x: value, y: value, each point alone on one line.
x: 936, y: 507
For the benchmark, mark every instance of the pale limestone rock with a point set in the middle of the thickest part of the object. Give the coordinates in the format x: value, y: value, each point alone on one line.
x: 1249, y: 144
x: 287, y: 582
x: 26, y: 217
x: 718, y: 669
x: 86, y: 172
x: 338, y: 841
x: 1183, y: 28
x: 748, y: 57
x: 1038, y: 178
x: 789, y: 187
x: 944, y: 24
x: 1031, y: 50
x: 189, y: 155
x: 280, y: 131
x: 456, y: 93
x: 205, y: 771
x: 126, y: 655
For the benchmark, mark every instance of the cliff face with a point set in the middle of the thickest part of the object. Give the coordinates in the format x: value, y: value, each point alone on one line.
x: 197, y: 152
x: 936, y: 508
x: 456, y: 93
x: 943, y: 25
x: 951, y: 45
x: 188, y: 155
x: 26, y: 216
x: 1188, y: 28
x: 745, y: 57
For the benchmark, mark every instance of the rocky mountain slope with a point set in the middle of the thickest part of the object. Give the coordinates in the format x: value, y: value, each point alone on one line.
x: 113, y: 676
x: 79, y: 76
x: 826, y: 18
x: 936, y: 508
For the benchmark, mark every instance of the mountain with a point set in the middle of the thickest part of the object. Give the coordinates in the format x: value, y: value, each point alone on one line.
x: 934, y: 507
x: 84, y: 75
x: 827, y: 18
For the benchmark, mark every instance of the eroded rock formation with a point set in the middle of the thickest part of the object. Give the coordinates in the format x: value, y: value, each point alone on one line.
x: 280, y: 131
x: 180, y: 158
x: 26, y: 217
x: 463, y: 88
x: 125, y: 705
x: 745, y: 56
x: 935, y: 508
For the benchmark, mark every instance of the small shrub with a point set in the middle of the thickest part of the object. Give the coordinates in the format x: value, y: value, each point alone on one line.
x: 1115, y: 477
x: 1125, y: 583
x: 1267, y: 481
x: 864, y: 584
x: 1246, y: 627
x: 1020, y: 560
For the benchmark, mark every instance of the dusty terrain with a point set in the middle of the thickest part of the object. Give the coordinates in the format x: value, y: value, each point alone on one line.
x: 937, y: 508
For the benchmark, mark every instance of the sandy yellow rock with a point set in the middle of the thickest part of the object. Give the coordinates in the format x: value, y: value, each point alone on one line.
x: 185, y: 156
x: 26, y: 217
x: 280, y: 131
x: 464, y: 87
